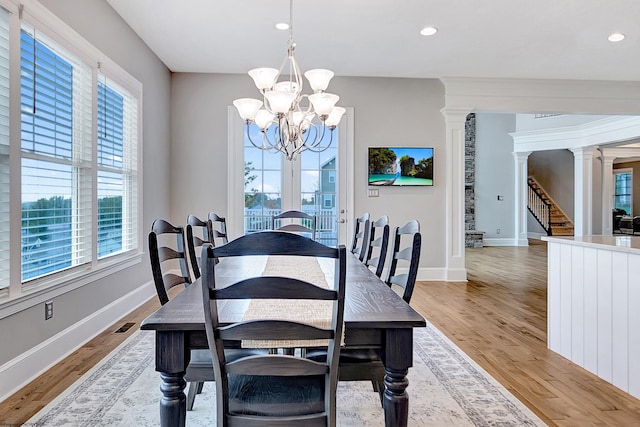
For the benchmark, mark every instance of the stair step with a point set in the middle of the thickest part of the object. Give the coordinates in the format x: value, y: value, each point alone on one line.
x: 560, y: 224
x: 562, y: 232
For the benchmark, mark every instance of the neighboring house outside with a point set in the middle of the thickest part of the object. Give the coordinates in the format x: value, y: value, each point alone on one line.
x: 327, y: 191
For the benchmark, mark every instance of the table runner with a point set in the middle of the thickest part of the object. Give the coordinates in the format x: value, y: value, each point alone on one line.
x: 314, y: 312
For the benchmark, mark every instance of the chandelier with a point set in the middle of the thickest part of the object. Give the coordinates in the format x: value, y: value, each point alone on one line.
x: 291, y: 122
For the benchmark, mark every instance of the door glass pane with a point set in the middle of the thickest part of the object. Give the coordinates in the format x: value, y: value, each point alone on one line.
x: 315, y: 174
x: 319, y: 186
x: 262, y: 187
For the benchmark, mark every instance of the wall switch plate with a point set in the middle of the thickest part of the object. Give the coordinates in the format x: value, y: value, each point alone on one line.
x: 48, y: 310
x: 374, y: 192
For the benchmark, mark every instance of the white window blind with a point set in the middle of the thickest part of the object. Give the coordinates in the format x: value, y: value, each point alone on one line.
x: 57, y: 173
x: 4, y: 149
x: 117, y: 168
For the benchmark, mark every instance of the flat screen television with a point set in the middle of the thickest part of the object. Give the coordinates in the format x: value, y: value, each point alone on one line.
x: 400, y: 166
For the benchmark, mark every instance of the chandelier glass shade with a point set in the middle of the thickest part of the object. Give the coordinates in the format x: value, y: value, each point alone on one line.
x: 290, y: 121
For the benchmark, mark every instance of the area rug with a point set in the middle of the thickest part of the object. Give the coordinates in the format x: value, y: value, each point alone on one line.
x: 446, y: 388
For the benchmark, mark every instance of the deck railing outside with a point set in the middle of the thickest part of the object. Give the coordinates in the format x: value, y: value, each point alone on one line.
x: 326, y: 222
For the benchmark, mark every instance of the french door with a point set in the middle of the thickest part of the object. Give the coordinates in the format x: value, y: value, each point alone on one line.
x: 316, y: 183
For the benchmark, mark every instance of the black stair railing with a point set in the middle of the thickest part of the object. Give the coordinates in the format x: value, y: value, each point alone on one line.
x: 539, y: 208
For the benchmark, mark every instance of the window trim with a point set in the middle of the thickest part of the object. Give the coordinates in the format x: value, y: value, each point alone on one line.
x: 16, y: 297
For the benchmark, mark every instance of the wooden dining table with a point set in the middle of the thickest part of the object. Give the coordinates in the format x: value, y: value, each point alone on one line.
x: 374, y: 316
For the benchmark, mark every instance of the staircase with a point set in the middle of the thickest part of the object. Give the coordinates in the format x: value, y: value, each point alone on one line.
x: 547, y: 212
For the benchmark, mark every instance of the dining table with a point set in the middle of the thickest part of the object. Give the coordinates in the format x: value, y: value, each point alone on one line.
x: 375, y: 316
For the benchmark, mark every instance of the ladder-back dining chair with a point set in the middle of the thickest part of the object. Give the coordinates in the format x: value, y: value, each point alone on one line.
x: 166, y: 248
x: 407, y: 242
x: 218, y: 229
x: 274, y: 389
x: 306, y: 223
x: 365, y: 364
x: 378, y: 242
x: 199, y: 233
x: 358, y: 246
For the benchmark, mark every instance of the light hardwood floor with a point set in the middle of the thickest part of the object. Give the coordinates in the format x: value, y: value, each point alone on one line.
x: 498, y: 318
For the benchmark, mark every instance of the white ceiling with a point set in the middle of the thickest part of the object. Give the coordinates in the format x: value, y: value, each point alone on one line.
x: 548, y: 39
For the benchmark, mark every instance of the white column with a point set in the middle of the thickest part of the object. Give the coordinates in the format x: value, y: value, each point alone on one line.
x: 521, y: 200
x: 455, y: 233
x: 607, y: 193
x: 583, y: 189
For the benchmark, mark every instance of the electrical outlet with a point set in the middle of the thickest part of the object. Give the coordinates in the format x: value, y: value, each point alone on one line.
x: 48, y: 310
x: 497, y: 231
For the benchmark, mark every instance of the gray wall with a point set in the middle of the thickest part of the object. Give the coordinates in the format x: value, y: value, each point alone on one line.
x: 553, y: 169
x: 101, y: 26
x: 495, y: 175
x: 396, y: 112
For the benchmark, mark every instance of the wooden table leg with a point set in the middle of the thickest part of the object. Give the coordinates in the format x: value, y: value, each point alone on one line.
x: 397, y: 358
x: 172, y: 359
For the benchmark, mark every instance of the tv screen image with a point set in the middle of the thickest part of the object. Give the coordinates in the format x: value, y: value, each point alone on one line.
x: 399, y: 166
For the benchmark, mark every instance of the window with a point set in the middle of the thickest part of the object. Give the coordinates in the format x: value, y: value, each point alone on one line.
x: 117, y: 157
x: 75, y: 170
x: 56, y: 158
x: 4, y: 152
x: 327, y: 201
x: 623, y: 190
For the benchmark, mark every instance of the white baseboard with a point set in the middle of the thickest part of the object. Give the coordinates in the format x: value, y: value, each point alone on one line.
x: 19, y: 371
x: 441, y: 274
x: 510, y: 241
x: 532, y: 235
x: 433, y: 274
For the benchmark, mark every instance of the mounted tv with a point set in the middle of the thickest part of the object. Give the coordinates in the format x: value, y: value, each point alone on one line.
x: 400, y: 166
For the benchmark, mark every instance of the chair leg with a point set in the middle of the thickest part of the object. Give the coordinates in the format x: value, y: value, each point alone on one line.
x: 191, y: 394
x: 200, y: 386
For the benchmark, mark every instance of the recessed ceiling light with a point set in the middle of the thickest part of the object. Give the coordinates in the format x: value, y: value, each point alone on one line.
x: 282, y: 26
x: 616, y: 37
x: 428, y: 31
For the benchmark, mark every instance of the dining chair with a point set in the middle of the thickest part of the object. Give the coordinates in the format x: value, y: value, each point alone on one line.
x: 274, y: 389
x: 365, y: 364
x: 359, y: 234
x: 378, y: 242
x: 218, y: 228
x: 407, y: 242
x: 199, y: 233
x: 166, y: 247
x: 306, y: 223
x: 168, y: 255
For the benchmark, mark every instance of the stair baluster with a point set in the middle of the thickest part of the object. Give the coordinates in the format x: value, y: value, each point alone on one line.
x: 539, y: 207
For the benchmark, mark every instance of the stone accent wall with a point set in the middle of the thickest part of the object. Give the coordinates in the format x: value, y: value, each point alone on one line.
x: 473, y: 238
